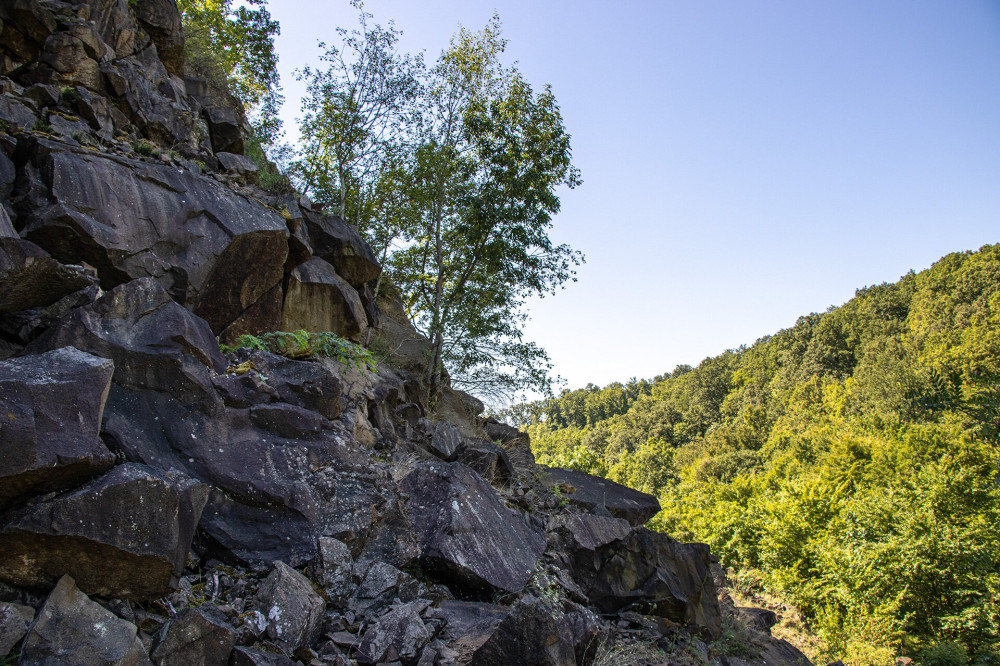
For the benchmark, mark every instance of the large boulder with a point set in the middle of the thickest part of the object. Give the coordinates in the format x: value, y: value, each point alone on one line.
x: 294, y: 611
x: 649, y: 572
x: 212, y: 249
x: 466, y: 535
x: 317, y: 299
x: 594, y: 494
x: 399, y: 635
x: 156, y: 344
x: 194, y: 636
x: 126, y: 534
x: 72, y: 629
x: 489, y: 635
x: 51, y: 407
x: 527, y: 636
x: 338, y: 243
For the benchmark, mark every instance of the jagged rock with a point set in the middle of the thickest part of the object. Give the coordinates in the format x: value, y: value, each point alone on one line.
x: 305, y: 383
x: 14, y: 622
x: 162, y: 20
x: 332, y: 568
x: 445, y: 440
x: 581, y: 628
x: 226, y: 129
x: 527, y: 636
x: 214, y: 250
x: 294, y: 611
x: 72, y: 629
x: 72, y: 55
x: 468, y: 624
x: 30, y: 278
x: 24, y: 26
x: 504, y: 434
x: 125, y: 534
x: 466, y: 535
x: 15, y: 113
x: 399, y: 635
x: 244, y: 656
x: 239, y: 164
x: 194, y: 636
x: 43, y: 94
x: 652, y: 573
x: 590, y: 532
x: 488, y: 460
x: 27, y: 325
x: 592, y: 493
x: 6, y: 226
x: 50, y: 415
x: 156, y: 344
x: 483, y: 634
x: 760, y: 619
x: 317, y: 299
x: 340, y: 245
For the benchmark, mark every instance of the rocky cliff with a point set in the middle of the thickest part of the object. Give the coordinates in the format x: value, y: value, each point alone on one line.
x: 161, y: 502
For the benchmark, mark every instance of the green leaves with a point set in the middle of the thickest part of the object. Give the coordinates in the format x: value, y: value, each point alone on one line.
x: 850, y: 462
x: 303, y: 344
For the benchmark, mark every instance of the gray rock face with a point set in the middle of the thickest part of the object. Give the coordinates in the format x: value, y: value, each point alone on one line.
x: 14, y: 622
x: 592, y: 493
x: 212, y: 249
x: 294, y: 611
x: 30, y: 278
x: 465, y: 533
x: 653, y: 574
x: 340, y: 244
x: 125, y: 534
x: 51, y: 407
x: 317, y: 299
x: 72, y: 629
x: 194, y: 636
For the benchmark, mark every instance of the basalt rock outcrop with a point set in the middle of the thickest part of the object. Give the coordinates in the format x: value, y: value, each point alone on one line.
x: 162, y: 502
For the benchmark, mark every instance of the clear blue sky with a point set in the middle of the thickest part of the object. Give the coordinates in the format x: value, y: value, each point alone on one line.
x: 744, y: 163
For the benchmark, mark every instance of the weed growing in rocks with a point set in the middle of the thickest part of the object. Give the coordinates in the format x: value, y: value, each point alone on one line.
x: 303, y: 344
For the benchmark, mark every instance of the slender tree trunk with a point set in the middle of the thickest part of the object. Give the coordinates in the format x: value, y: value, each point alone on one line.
x: 437, y: 332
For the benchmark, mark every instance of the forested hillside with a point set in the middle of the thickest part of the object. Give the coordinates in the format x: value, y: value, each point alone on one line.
x: 848, y: 463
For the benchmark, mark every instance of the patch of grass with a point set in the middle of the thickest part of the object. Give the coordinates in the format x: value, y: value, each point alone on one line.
x: 145, y: 148
x: 42, y: 125
x: 303, y: 344
x: 611, y: 653
x: 70, y: 95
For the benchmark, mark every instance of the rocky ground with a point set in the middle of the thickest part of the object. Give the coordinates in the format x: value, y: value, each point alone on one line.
x: 161, y: 502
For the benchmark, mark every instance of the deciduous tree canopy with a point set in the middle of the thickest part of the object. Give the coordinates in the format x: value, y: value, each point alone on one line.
x: 851, y: 461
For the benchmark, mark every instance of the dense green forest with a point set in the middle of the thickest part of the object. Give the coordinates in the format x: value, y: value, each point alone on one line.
x: 848, y: 464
